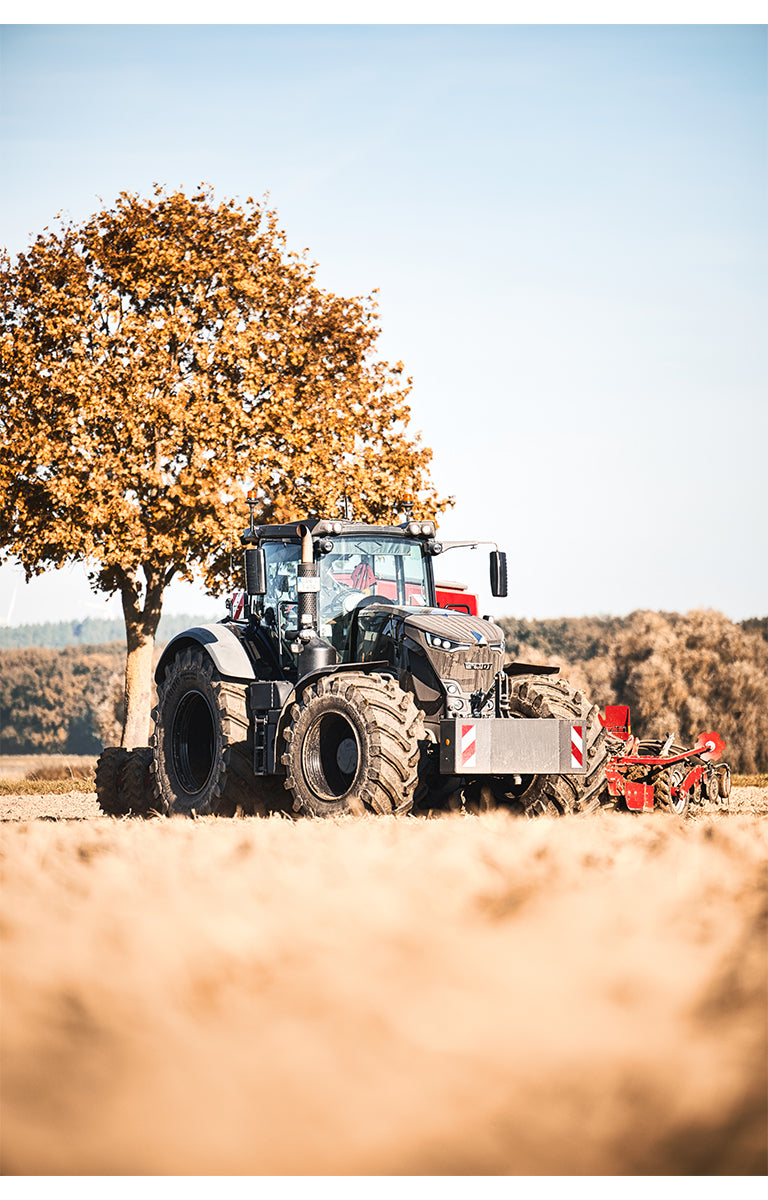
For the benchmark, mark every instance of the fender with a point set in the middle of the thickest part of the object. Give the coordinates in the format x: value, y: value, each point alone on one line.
x: 220, y: 643
x: 365, y: 668
x: 521, y: 668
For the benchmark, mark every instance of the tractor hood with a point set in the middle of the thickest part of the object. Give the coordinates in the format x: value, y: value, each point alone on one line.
x: 446, y: 653
x: 458, y: 628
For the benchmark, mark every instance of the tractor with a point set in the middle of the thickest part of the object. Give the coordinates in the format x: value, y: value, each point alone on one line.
x: 337, y: 684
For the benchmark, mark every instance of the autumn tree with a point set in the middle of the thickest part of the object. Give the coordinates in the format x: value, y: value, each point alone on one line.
x: 157, y: 362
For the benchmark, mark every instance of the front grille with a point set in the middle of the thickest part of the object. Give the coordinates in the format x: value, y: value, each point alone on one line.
x: 451, y: 665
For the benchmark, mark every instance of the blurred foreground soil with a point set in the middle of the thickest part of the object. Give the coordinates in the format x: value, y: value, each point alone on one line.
x: 465, y: 996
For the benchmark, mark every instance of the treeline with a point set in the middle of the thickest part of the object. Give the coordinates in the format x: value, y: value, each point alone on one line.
x: 681, y: 673
x: 90, y: 632
x: 67, y: 701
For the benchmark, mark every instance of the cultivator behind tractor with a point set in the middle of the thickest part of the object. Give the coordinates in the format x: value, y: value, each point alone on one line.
x: 653, y: 774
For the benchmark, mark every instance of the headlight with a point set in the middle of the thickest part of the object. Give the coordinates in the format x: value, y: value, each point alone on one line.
x: 443, y: 643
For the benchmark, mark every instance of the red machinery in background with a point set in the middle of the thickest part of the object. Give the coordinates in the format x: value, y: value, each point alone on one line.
x: 651, y: 774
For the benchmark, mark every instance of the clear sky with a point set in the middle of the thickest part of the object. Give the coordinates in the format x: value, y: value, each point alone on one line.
x: 567, y: 226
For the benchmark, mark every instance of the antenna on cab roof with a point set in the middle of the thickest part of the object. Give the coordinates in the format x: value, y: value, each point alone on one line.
x: 344, y: 506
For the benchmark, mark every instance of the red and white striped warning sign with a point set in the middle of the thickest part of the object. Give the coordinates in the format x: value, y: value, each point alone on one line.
x: 577, y: 745
x: 468, y: 746
x: 237, y: 605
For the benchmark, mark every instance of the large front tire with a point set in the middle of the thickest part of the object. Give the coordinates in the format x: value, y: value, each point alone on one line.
x: 559, y: 795
x: 202, y: 742
x: 355, y: 744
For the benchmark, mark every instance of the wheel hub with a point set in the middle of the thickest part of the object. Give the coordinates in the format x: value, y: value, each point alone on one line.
x: 193, y: 741
x: 331, y: 756
x: 346, y: 756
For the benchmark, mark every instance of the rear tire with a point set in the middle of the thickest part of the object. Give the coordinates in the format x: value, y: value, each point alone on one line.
x: 136, y: 795
x: 108, y: 767
x: 124, y: 782
x: 559, y: 795
x: 723, y: 772
x: 355, y: 744
x: 203, y: 744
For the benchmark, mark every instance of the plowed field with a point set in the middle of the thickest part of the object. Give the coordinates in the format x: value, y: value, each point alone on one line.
x: 466, y: 996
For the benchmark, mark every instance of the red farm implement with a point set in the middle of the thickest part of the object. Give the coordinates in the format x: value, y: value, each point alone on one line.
x: 648, y: 774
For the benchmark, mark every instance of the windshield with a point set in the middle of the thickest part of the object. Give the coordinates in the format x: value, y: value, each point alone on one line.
x: 356, y: 571
x: 365, y: 570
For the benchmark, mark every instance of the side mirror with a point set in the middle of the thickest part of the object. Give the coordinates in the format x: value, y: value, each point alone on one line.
x: 498, y: 573
x: 255, y: 571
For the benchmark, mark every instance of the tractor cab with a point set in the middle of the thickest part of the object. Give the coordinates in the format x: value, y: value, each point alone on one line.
x: 355, y: 568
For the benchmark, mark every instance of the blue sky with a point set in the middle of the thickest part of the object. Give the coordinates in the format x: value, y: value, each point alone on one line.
x: 566, y: 225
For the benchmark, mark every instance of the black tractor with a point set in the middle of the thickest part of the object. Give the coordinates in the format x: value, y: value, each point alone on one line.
x: 337, y: 685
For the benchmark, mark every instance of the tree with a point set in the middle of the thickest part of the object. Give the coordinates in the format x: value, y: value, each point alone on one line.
x: 158, y: 362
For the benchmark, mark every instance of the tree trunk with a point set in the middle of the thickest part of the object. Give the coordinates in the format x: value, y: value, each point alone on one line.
x: 140, y: 630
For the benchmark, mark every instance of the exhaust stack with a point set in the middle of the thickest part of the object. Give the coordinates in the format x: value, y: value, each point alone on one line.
x: 308, y: 584
x: 315, y: 652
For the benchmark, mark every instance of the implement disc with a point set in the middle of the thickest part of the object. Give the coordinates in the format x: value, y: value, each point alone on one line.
x: 718, y: 745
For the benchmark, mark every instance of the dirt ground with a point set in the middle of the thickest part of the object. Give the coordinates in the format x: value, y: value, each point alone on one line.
x: 466, y: 996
